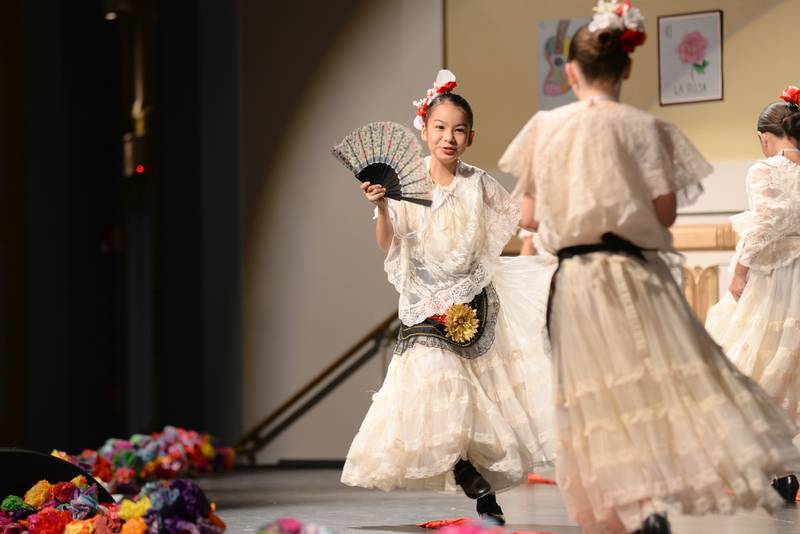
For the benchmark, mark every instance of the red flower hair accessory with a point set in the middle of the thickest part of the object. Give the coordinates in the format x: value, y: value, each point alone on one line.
x: 631, y: 39
x: 445, y: 82
x: 620, y: 15
x: 791, y: 95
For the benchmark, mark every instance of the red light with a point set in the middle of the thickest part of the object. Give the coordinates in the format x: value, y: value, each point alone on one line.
x: 140, y: 169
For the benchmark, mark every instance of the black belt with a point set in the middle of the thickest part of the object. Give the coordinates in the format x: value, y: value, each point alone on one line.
x: 610, y: 243
x: 430, y: 327
x: 430, y: 333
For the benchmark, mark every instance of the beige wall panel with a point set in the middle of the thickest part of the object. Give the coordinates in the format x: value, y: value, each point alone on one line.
x: 491, y: 46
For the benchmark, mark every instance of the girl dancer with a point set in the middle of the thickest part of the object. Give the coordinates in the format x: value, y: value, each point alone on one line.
x: 649, y: 411
x: 466, y: 398
x: 761, y: 332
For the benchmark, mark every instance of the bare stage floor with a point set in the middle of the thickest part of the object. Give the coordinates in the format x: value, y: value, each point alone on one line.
x: 247, y: 499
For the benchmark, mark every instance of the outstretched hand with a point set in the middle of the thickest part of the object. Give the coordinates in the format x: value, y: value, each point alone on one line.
x: 374, y: 193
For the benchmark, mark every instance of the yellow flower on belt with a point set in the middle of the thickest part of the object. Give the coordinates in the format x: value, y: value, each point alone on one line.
x: 461, y: 323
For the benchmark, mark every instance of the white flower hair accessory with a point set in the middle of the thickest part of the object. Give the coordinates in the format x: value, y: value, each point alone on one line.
x: 445, y: 82
x: 620, y: 15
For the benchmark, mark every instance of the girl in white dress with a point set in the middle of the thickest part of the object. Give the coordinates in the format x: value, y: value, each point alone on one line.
x: 649, y: 410
x: 464, y: 402
x: 758, y: 321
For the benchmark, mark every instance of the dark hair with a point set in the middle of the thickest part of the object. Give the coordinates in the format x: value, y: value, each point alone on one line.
x: 599, y: 54
x: 455, y: 99
x: 781, y: 119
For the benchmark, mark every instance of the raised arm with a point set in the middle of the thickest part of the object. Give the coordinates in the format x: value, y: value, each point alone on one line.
x: 384, y: 231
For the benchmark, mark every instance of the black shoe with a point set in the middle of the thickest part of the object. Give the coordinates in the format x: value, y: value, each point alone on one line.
x: 655, y: 524
x: 473, y: 484
x: 489, y: 510
x: 787, y: 487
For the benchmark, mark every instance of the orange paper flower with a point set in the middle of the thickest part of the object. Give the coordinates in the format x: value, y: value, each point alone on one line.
x: 216, y: 521
x: 134, y: 526
x: 39, y: 494
x: 84, y: 526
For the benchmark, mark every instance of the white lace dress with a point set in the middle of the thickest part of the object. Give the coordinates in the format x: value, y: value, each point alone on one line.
x: 436, y: 407
x: 761, y: 332
x: 649, y: 410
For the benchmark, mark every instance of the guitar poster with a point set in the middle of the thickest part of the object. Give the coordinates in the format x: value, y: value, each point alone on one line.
x: 552, y: 46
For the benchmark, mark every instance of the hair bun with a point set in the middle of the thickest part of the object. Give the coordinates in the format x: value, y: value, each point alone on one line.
x: 603, y: 37
x: 608, y: 42
x: 599, y: 53
x: 791, y: 125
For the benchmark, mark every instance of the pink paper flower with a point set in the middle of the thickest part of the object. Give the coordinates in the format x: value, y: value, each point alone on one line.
x: 290, y: 524
x: 692, y: 49
x: 470, y: 527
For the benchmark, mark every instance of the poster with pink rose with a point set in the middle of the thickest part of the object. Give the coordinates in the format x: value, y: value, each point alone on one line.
x: 690, y: 57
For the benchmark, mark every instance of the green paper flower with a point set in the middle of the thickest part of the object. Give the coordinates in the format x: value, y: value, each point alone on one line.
x: 12, y: 503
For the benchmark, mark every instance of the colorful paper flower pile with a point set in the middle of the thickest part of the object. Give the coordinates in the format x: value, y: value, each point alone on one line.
x: 176, y: 506
x: 125, y: 464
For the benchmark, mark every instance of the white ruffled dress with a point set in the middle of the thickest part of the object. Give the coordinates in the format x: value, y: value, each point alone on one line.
x: 434, y: 406
x: 649, y: 410
x: 761, y: 332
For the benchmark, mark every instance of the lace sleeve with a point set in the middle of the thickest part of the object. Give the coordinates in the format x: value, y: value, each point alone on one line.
x: 518, y: 157
x: 502, y: 216
x: 672, y: 164
x: 770, y: 217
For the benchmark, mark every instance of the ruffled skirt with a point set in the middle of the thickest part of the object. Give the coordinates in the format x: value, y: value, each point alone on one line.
x: 761, y: 333
x: 435, y: 407
x: 649, y: 410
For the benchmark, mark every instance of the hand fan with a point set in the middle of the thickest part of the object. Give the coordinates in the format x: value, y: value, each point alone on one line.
x: 387, y: 153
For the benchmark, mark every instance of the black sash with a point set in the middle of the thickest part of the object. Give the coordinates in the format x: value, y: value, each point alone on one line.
x: 610, y: 243
x: 431, y: 327
x: 433, y: 334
